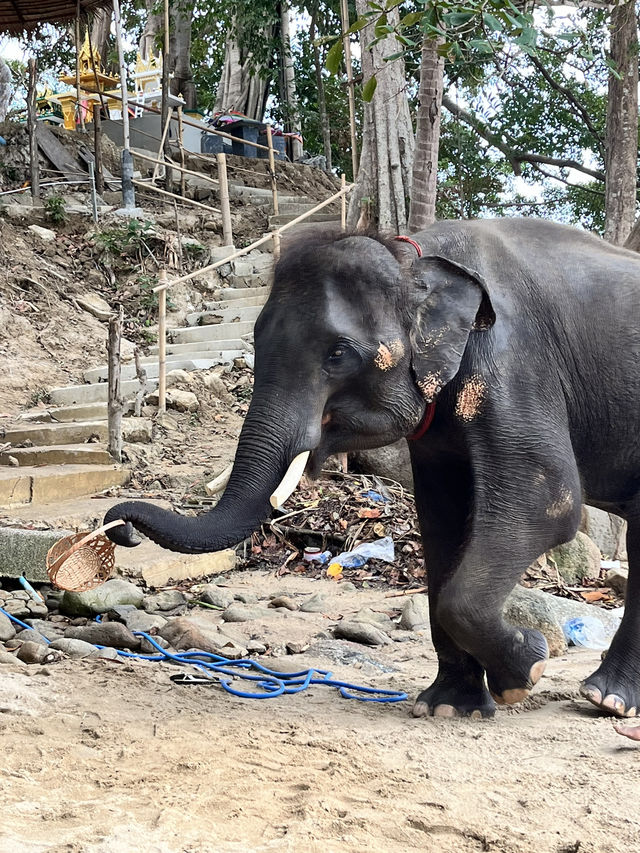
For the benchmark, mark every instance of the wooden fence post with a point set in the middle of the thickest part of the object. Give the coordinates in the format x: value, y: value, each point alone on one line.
x: 115, y: 405
x: 97, y: 147
x: 34, y: 165
x: 343, y: 202
x: 272, y: 169
x: 223, y: 183
x: 162, y: 343
x: 183, y: 180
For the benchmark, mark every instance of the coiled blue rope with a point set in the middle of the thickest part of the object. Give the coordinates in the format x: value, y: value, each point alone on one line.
x: 269, y: 683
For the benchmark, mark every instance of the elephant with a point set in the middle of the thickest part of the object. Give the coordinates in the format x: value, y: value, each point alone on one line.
x: 507, y: 352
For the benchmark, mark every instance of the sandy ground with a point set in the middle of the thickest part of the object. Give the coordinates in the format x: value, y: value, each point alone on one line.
x: 113, y: 757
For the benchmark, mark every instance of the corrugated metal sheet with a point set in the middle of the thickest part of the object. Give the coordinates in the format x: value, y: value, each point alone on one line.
x: 18, y: 16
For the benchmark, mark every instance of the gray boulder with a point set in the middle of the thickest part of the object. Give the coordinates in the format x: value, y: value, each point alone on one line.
x: 169, y: 599
x: 607, y: 530
x: 577, y: 559
x: 7, y: 630
x: 361, y: 632
x: 532, y: 608
x: 392, y: 461
x: 415, y: 613
x: 113, y: 634
x: 75, y: 649
x: 102, y: 598
x: 140, y: 620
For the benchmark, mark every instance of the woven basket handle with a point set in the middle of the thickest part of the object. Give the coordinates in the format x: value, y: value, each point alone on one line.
x: 88, y: 538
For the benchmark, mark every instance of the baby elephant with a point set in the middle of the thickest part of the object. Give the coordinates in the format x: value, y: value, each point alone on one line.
x: 507, y: 352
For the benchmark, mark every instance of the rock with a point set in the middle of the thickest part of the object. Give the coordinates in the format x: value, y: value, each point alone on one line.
x: 415, y: 613
x: 381, y: 620
x: 250, y: 360
x: 17, y: 608
x: 31, y: 636
x: 139, y: 620
x: 45, y: 234
x: 7, y: 630
x: 361, y: 632
x: 315, y: 604
x: 75, y: 649
x: 531, y: 608
x: 102, y: 598
x: 169, y: 599
x: 607, y: 530
x: 347, y: 586
x: 137, y: 430
x: 283, y: 601
x: 8, y: 658
x: 296, y: 648
x: 95, y: 305
x: 183, y: 634
x: 182, y: 401
x: 235, y: 613
x: 255, y: 647
x: 577, y: 559
x: 38, y: 608
x: 617, y: 580
x: 45, y: 628
x: 31, y: 652
x: 107, y: 654
x: 176, y: 378
x: 212, y: 594
x: 148, y: 648
x: 246, y: 597
x: 113, y: 634
x: 392, y: 461
x: 215, y: 384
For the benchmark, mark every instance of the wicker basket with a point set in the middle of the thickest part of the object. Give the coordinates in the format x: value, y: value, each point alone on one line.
x: 83, y: 560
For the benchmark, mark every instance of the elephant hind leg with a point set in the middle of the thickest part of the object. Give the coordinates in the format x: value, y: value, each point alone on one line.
x: 615, y: 685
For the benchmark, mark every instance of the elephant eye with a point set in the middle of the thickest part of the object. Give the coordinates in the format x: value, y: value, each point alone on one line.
x: 337, y: 353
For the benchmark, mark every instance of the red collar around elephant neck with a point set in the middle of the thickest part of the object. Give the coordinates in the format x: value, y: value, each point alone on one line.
x: 424, y: 424
x: 412, y: 242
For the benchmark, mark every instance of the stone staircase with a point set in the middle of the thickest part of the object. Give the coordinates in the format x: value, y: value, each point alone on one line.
x: 60, y: 452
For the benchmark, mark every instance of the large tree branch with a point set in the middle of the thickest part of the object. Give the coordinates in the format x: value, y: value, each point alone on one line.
x: 513, y: 155
x: 572, y: 99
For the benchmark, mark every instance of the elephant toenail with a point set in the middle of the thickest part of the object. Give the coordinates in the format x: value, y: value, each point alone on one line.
x: 513, y: 696
x: 445, y: 711
x: 535, y: 673
x: 421, y: 709
x: 614, y: 703
x: 591, y: 693
x: 476, y: 715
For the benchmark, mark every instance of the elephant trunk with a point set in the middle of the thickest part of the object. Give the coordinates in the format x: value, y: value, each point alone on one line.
x: 269, y: 440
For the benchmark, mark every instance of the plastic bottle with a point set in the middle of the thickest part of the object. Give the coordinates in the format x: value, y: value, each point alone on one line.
x: 381, y: 549
x: 586, y: 631
x: 313, y: 555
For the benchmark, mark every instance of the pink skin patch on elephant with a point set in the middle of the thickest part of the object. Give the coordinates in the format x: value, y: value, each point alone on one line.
x: 430, y: 385
x: 470, y: 397
x: 389, y: 355
x: 562, y: 506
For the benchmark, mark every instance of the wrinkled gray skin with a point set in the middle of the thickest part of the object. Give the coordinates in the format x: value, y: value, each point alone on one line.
x: 526, y: 335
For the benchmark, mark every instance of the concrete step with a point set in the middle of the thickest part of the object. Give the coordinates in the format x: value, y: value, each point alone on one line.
x: 60, y: 454
x: 46, y: 435
x: 228, y: 294
x: 204, y: 349
x: 229, y: 304
x: 249, y: 280
x: 242, y: 314
x: 219, y: 333
x: 96, y: 392
x: 285, y: 218
x: 53, y: 483
x: 295, y: 207
x: 194, y: 361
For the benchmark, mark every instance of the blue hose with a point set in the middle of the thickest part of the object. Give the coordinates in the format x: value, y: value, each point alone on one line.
x: 269, y: 682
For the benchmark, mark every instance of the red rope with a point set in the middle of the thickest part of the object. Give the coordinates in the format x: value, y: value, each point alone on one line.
x: 413, y: 243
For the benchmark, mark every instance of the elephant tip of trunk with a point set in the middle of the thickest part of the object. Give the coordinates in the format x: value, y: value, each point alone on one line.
x: 125, y: 534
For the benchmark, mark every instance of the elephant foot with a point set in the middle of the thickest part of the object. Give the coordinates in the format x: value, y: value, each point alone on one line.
x: 614, y: 689
x: 521, y: 669
x: 446, y: 698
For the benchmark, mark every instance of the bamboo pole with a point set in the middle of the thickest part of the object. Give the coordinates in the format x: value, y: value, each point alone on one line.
x: 276, y: 244
x: 115, y: 405
x: 343, y: 204
x: 78, y: 99
x: 165, y: 111
x: 344, y: 14
x: 161, y: 153
x: 272, y: 170
x: 162, y: 341
x: 97, y: 148
x: 128, y: 194
x: 185, y: 200
x: 223, y: 183
x: 183, y: 183
x: 252, y: 246
x: 202, y: 175
x: 34, y: 164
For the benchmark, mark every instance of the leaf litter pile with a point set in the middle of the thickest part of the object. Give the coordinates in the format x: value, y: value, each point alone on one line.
x: 335, y: 514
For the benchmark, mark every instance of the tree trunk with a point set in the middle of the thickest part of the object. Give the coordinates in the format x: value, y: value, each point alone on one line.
x: 289, y: 95
x: 241, y: 88
x: 153, y: 27
x: 621, y: 143
x: 100, y: 35
x: 322, y: 101
x: 180, y: 53
x: 387, y: 141
x: 6, y: 89
x: 425, y: 163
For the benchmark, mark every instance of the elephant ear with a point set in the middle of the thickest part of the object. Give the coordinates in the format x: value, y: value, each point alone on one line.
x: 455, y: 301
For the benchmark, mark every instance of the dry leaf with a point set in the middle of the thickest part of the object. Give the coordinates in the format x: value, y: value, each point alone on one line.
x: 368, y: 513
x: 594, y: 595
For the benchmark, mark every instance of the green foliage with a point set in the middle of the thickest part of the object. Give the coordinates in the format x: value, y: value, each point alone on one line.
x: 122, y: 240
x: 55, y: 209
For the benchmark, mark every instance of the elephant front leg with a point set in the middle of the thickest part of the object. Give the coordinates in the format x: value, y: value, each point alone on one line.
x: 459, y: 689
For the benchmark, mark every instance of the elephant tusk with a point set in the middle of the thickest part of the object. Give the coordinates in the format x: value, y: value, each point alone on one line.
x: 290, y: 480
